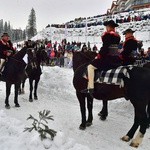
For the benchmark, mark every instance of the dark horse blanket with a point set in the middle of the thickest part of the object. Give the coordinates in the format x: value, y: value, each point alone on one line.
x: 13, y: 70
x: 115, y: 76
x: 112, y: 76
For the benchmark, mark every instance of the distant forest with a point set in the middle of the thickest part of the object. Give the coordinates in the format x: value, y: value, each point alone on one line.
x: 15, y: 34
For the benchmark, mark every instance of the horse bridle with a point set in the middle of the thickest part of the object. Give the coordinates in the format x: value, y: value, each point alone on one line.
x: 31, y: 60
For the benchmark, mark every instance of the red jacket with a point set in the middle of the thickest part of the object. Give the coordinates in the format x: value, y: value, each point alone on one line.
x: 4, y: 48
x: 108, y: 39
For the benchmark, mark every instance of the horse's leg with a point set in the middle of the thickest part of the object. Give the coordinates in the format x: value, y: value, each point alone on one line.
x: 104, y: 112
x: 139, y: 119
x: 134, y: 127
x: 90, y: 108
x: 148, y: 114
x: 35, y: 88
x: 132, y: 131
x: 81, y: 99
x: 31, y: 89
x: 8, y: 87
x: 143, y: 122
x: 19, y: 89
x: 23, y: 85
x: 16, y: 95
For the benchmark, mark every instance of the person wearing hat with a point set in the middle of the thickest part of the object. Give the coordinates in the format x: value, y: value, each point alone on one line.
x: 129, y: 47
x: 6, y: 49
x: 108, y: 56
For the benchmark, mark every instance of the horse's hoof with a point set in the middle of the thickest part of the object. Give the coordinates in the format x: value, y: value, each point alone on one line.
x: 126, y: 138
x: 7, y: 106
x: 136, y: 145
x: 17, y: 105
x: 30, y: 100
x: 88, y: 124
x: 35, y: 98
x: 103, y: 117
x: 99, y: 114
x: 82, y: 127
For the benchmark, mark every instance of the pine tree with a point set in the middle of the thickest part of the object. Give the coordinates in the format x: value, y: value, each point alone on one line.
x: 24, y: 35
x: 31, y: 28
x: 1, y: 26
x: 9, y: 31
x: 5, y: 27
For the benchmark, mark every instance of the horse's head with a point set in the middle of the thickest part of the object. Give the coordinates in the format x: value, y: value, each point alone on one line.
x: 31, y: 55
x: 42, y: 53
x: 37, y: 56
x: 81, y: 58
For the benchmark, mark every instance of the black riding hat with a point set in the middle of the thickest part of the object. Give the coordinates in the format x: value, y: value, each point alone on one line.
x: 128, y: 31
x: 110, y: 23
x: 4, y: 34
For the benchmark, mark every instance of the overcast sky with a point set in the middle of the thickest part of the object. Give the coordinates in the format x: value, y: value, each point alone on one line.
x: 50, y: 11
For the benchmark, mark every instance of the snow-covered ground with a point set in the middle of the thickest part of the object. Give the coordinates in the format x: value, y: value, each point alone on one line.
x: 57, y: 94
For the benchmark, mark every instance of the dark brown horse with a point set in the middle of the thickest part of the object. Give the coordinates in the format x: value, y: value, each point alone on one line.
x: 12, y: 75
x: 104, y: 112
x: 33, y: 71
x: 138, y: 98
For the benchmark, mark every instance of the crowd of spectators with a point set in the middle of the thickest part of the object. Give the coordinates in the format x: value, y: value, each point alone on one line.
x: 60, y: 54
x: 119, y: 18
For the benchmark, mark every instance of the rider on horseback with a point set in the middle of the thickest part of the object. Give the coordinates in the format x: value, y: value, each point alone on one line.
x: 6, y: 49
x: 129, y: 51
x: 108, y: 57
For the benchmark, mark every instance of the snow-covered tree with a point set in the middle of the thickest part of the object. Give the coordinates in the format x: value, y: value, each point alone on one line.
x: 31, y: 28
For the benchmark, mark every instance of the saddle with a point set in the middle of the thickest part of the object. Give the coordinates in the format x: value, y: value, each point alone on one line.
x: 112, y: 76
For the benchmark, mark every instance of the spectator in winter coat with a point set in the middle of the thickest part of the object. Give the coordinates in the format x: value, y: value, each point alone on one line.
x: 52, y: 57
x: 94, y: 48
x: 66, y: 60
x: 70, y: 55
x: 148, y: 54
x: 84, y: 48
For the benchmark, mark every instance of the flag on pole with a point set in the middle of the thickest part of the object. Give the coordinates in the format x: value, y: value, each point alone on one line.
x: 86, y: 30
x: 65, y: 31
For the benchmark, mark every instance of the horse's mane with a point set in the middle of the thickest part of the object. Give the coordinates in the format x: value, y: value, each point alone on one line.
x: 82, y: 58
x: 20, y: 54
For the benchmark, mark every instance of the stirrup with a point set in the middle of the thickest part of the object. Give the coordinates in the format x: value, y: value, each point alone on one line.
x: 91, y: 91
x: 85, y: 91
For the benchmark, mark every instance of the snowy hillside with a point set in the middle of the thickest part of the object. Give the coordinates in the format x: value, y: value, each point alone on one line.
x: 93, y: 33
x: 56, y: 93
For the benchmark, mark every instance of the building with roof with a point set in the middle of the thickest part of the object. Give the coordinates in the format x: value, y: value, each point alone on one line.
x: 127, y: 5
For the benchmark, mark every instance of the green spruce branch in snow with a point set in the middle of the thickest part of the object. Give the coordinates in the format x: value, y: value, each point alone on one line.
x: 41, y: 125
